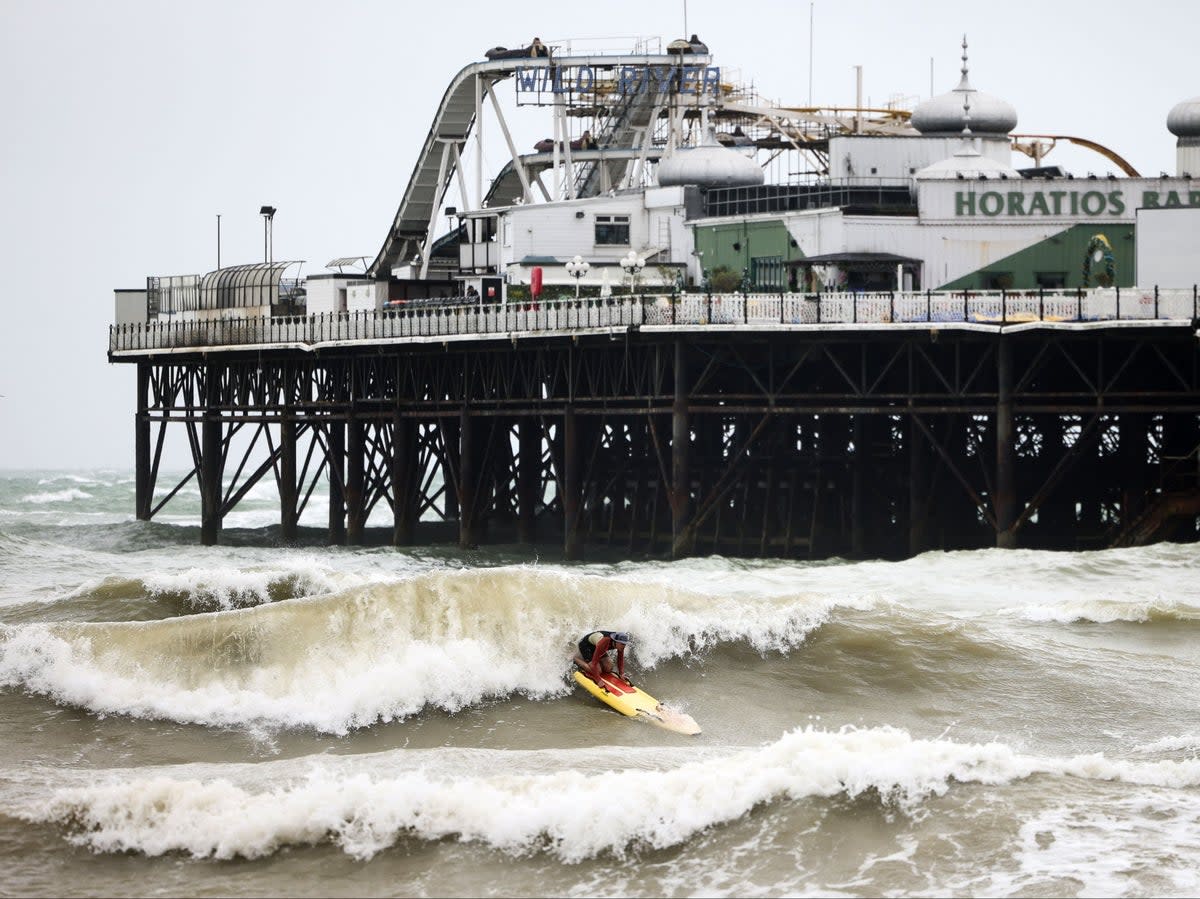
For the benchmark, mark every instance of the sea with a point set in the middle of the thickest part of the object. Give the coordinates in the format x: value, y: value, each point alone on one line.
x: 260, y: 719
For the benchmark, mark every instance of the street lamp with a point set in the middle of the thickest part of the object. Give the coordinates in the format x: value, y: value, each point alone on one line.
x: 577, y: 268
x: 633, y: 265
x: 268, y: 214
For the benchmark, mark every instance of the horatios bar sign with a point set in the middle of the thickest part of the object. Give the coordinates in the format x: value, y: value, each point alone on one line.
x: 584, y: 79
x: 1056, y: 200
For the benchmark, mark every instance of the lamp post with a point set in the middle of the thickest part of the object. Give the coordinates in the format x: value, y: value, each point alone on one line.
x: 577, y: 268
x: 268, y: 214
x: 633, y: 265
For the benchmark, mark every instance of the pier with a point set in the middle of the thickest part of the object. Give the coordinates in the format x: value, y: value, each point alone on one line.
x: 903, y: 343
x: 666, y: 426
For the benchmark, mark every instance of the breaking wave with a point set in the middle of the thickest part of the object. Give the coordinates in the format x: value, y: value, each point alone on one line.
x: 362, y: 807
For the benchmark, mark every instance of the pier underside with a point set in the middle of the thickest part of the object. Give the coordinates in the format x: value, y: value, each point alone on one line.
x: 796, y: 444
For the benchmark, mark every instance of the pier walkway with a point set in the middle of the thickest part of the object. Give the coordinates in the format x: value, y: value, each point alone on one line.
x: 972, y: 310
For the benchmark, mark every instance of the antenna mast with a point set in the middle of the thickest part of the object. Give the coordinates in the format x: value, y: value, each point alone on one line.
x: 811, y: 3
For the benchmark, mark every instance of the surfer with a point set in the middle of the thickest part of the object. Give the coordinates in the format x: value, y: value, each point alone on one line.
x: 594, y: 656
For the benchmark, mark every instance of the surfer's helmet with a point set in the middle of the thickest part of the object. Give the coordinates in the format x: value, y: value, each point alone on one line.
x: 620, y: 637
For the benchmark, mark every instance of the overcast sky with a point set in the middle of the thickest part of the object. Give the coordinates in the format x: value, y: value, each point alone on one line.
x: 129, y: 126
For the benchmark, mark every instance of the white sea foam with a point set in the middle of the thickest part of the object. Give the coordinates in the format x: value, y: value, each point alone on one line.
x: 56, y: 496
x: 1189, y: 742
x: 1107, y: 611
x: 364, y: 807
x: 1141, y: 845
x: 229, y: 587
x: 377, y: 652
x: 1109, y: 585
x: 74, y: 479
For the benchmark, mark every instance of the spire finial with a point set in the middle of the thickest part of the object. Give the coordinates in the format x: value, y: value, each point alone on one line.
x: 964, y: 84
x: 968, y: 143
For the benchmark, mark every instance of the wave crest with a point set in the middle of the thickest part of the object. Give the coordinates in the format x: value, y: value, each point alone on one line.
x: 448, y: 639
x: 365, y: 812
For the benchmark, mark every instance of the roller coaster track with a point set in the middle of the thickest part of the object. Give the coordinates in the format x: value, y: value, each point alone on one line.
x: 1104, y: 151
x: 452, y: 125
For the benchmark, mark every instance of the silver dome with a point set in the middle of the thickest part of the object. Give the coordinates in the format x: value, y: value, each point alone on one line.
x: 948, y: 113
x: 709, y: 165
x: 944, y: 114
x: 967, y: 163
x: 1184, y: 118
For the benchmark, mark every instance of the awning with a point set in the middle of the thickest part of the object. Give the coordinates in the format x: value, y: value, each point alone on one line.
x: 342, y: 261
x: 858, y: 260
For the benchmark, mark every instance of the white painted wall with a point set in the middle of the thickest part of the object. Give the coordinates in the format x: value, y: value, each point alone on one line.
x: 1187, y: 160
x: 901, y: 156
x: 948, y: 252
x: 817, y: 231
x: 130, y: 307
x: 656, y: 222
x: 215, y: 315
x: 329, y: 294
x: 1065, y: 201
x: 1168, y: 247
x: 365, y: 296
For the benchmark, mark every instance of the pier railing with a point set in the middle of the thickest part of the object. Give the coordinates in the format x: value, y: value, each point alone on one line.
x: 751, y: 311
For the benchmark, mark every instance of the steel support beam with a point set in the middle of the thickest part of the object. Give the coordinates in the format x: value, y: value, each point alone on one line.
x: 529, y: 476
x: 572, y: 544
x: 467, y: 474
x: 918, y: 485
x: 680, y: 442
x: 405, y: 479
x: 211, y: 459
x: 356, y: 512
x: 288, y: 486
x: 1005, y: 500
x: 143, y: 482
x: 337, y: 482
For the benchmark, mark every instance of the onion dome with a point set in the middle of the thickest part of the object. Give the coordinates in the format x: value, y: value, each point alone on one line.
x: 709, y: 165
x: 1184, y: 118
x: 944, y: 114
x: 967, y: 163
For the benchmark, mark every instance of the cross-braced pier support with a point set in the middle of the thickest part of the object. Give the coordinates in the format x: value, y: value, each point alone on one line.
x: 809, y: 443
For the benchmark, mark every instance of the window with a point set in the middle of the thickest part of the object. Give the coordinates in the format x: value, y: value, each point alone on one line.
x: 768, y: 273
x: 1051, y: 280
x: 997, y: 280
x: 612, y: 230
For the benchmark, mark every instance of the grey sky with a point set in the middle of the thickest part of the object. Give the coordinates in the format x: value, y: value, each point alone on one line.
x: 128, y: 126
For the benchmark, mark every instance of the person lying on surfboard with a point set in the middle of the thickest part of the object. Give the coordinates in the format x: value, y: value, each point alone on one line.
x: 594, y: 656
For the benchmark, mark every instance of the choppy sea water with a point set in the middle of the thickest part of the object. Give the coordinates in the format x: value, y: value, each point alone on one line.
x: 259, y: 720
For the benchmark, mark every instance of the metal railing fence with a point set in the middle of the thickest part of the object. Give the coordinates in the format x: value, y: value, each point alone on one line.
x: 735, y: 310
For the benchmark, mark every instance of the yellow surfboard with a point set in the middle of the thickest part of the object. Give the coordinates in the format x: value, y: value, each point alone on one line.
x: 637, y: 703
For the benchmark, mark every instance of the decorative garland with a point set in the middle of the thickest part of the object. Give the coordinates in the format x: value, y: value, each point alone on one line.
x: 1099, y: 243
